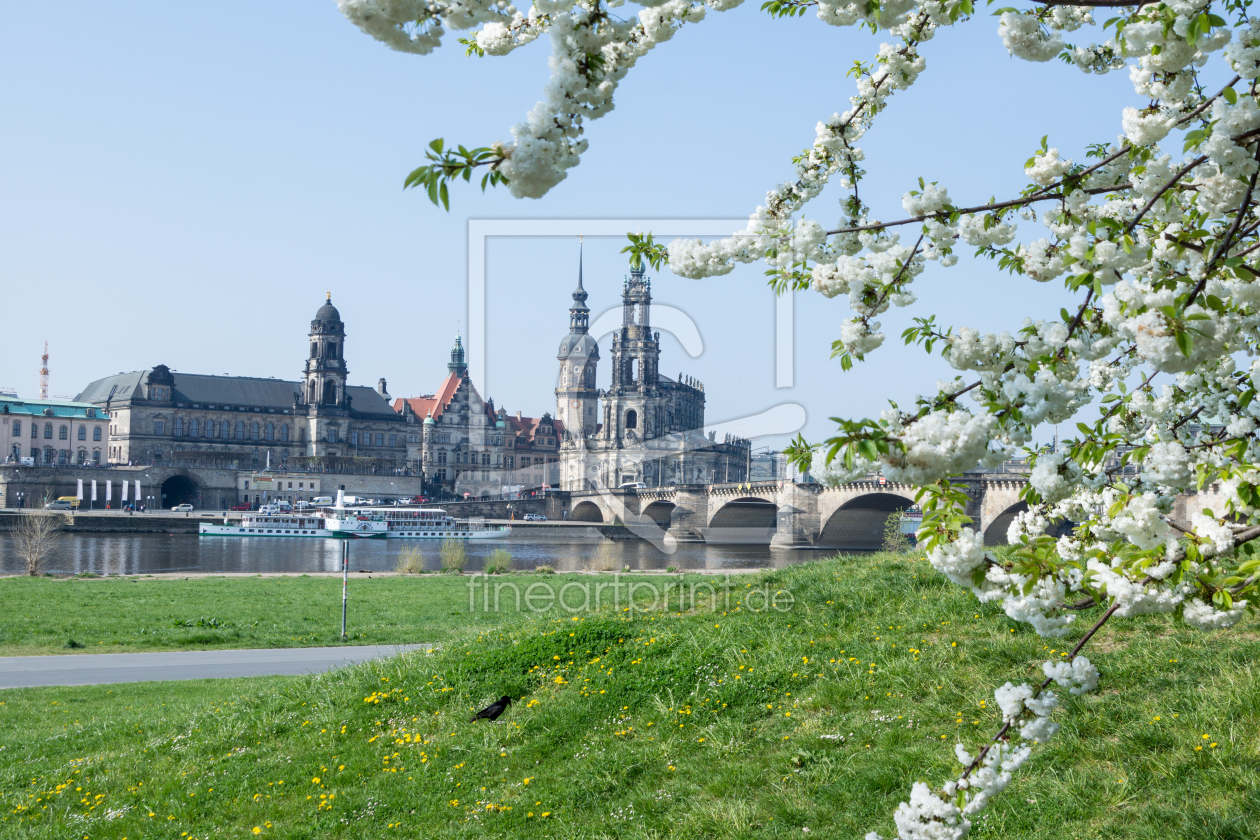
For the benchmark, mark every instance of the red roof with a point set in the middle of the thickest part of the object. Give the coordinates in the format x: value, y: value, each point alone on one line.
x: 435, y: 403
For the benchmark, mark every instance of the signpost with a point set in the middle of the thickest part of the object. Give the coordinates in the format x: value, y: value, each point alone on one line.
x: 345, y: 580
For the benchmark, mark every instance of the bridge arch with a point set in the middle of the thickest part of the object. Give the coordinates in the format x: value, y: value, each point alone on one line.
x: 995, y: 534
x: 661, y: 512
x: 587, y: 512
x: 858, y: 524
x: 743, y: 521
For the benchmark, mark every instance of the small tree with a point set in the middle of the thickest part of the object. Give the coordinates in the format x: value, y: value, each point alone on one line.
x: 36, y: 535
x: 499, y: 562
x: 895, y: 539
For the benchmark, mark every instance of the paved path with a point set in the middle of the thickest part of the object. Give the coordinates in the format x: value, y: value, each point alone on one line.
x: 99, y: 668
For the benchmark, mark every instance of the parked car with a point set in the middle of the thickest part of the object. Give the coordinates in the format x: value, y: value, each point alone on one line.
x: 534, y: 517
x: 242, y: 506
x: 62, y: 504
x: 184, y: 508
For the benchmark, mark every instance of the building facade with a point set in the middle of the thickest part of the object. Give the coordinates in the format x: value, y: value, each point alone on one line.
x: 467, y: 446
x: 162, y: 416
x: 52, y: 432
x: 645, y: 427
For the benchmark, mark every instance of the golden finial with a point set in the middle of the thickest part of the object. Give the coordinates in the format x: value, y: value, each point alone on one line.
x: 328, y: 296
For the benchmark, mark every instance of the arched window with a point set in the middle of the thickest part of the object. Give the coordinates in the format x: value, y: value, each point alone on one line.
x: 632, y: 419
x: 332, y: 350
x: 82, y: 457
x: 330, y: 392
x: 284, y: 431
x: 271, y: 431
x: 253, y: 431
x: 96, y: 456
x: 96, y: 433
x: 314, y: 349
x: 194, y: 427
x: 225, y: 429
x: 179, y: 426
x: 63, y: 433
x: 310, y: 390
x: 240, y: 430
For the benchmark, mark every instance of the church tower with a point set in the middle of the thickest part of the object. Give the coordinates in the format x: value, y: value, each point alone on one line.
x: 324, y: 379
x: 576, y: 395
x: 633, y: 405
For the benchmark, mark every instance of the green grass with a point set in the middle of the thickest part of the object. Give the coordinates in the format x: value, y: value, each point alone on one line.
x: 700, y: 725
x: 112, y: 615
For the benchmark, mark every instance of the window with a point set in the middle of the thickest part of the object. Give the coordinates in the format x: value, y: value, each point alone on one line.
x: 441, y: 457
x: 314, y: 350
x: 96, y: 456
x: 332, y: 434
x: 34, y: 430
x: 179, y: 426
x: 393, y: 440
x: 485, y: 459
x: 354, y: 438
x: 380, y: 439
x: 332, y: 350
x: 253, y: 431
x: 284, y: 431
x: 63, y: 433
x: 271, y: 432
x: 159, y: 427
x: 240, y: 430
x: 632, y: 419
x: 441, y: 475
x: 17, y: 428
x: 83, y: 433
x: 524, y: 462
x: 61, y: 457
x: 96, y: 433
x: 330, y: 392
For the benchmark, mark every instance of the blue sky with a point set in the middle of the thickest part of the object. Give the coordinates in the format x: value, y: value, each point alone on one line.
x: 181, y: 183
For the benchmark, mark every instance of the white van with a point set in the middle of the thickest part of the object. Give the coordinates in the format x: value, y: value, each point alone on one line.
x: 322, y: 501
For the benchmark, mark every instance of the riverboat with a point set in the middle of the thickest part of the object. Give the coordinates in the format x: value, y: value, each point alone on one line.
x: 408, y: 523
x: 269, y: 521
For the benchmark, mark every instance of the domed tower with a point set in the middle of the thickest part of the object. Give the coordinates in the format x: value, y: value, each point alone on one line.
x: 324, y: 380
x: 576, y: 395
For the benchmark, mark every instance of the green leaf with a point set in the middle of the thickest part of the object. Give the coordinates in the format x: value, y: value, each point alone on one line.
x: 1231, y: 96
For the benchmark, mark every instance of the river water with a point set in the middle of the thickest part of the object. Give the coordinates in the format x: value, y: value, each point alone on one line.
x: 130, y: 554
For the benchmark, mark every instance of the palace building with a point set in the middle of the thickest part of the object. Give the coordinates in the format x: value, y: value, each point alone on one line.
x: 645, y: 427
x: 160, y: 415
x: 468, y: 446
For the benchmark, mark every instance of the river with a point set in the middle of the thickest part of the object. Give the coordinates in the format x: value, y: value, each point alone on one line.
x: 131, y: 554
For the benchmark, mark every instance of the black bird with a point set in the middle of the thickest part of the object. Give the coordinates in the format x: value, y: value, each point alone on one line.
x: 493, y: 711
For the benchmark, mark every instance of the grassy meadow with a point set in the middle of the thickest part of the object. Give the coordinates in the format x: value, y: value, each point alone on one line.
x: 693, y: 723
x: 129, y: 614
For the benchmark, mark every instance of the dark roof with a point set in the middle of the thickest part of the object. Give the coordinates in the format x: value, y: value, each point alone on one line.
x: 227, y: 390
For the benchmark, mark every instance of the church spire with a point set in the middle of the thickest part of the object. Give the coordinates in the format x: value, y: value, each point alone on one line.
x: 579, y: 313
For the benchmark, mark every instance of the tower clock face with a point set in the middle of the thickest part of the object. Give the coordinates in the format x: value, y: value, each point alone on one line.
x: 576, y: 403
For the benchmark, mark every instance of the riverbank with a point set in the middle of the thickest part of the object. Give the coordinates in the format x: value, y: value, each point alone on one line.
x: 208, y: 612
x: 747, y: 723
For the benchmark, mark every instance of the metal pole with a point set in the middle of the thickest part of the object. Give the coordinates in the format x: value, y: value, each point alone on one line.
x: 345, y: 580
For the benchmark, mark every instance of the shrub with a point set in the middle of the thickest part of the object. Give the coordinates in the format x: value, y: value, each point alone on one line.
x: 499, y: 562
x: 604, y: 558
x: 454, y: 555
x: 545, y: 570
x: 410, y: 561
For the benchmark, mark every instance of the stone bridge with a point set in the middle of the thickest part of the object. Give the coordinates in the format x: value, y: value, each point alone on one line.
x: 788, y: 515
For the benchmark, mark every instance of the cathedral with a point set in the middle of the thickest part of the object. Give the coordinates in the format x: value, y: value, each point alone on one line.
x: 645, y: 427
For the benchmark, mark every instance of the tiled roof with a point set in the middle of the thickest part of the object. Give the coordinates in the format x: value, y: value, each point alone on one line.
x: 226, y: 390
